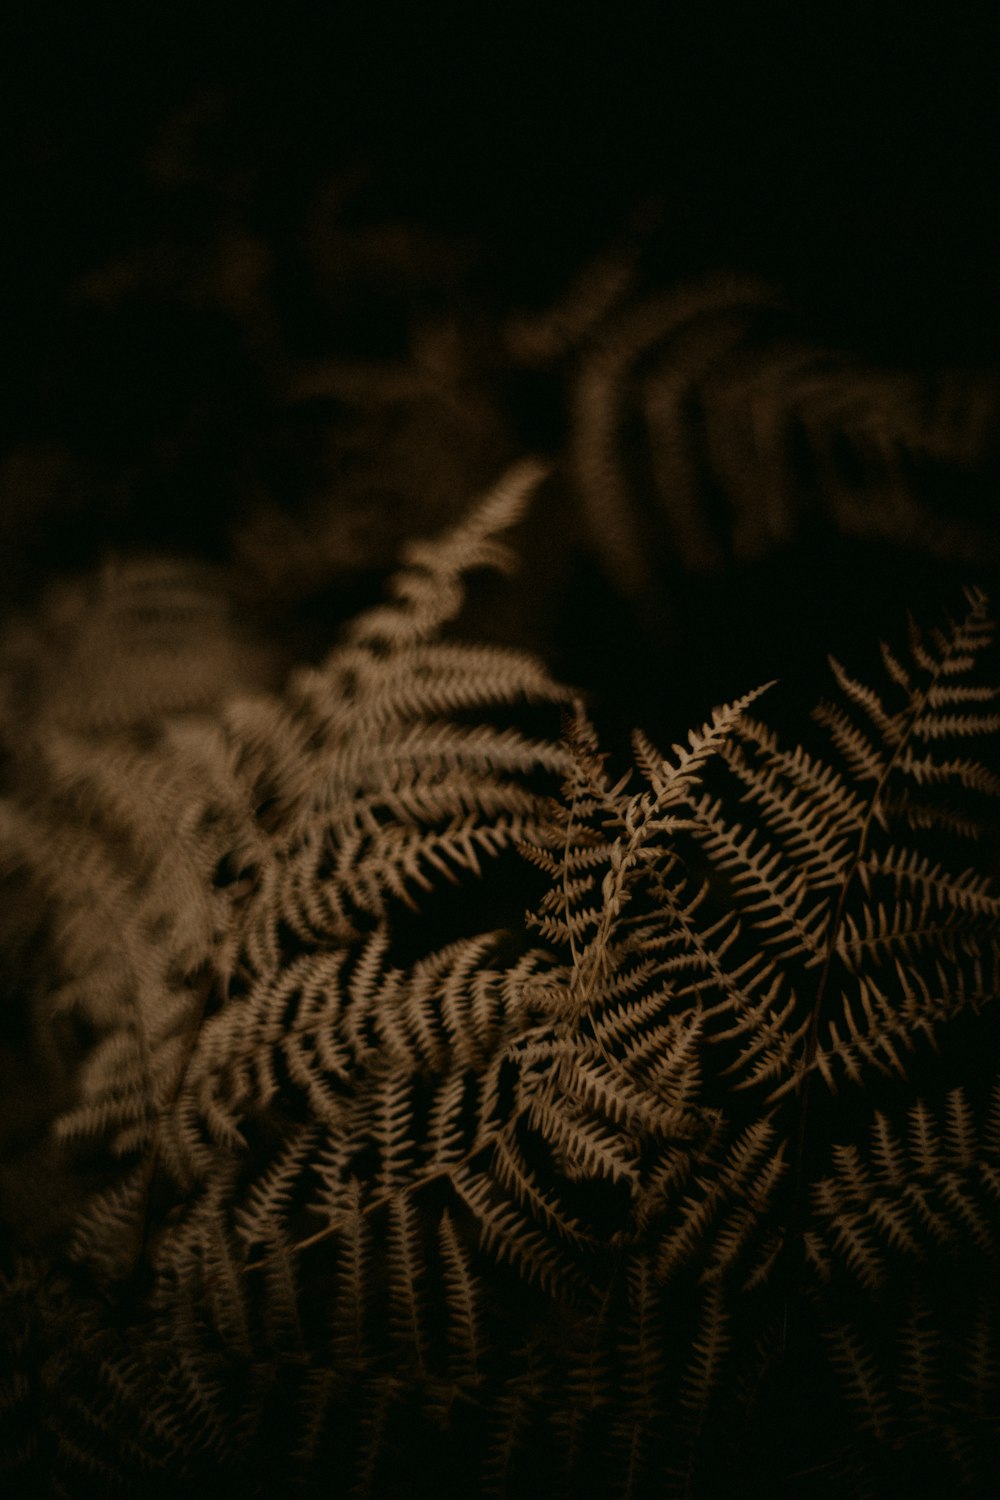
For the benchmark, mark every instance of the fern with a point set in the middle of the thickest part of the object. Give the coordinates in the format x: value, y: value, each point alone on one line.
x: 709, y: 429
x: 705, y: 1182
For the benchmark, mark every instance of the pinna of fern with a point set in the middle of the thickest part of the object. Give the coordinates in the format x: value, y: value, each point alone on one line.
x: 587, y: 1215
x: 769, y: 988
x: 178, y: 866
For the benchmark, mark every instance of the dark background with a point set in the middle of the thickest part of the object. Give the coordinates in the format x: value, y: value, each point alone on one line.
x: 853, y: 151
x: 849, y: 155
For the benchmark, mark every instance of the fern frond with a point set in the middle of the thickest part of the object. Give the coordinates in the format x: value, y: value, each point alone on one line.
x: 462, y: 1297
x: 429, y: 590
x: 709, y: 428
x: 583, y: 1213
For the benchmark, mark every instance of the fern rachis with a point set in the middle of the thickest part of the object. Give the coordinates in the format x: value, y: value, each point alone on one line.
x: 547, y: 1210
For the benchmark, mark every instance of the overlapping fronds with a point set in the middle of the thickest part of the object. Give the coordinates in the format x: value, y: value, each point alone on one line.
x: 709, y: 428
x: 178, y: 861
x: 689, y: 1184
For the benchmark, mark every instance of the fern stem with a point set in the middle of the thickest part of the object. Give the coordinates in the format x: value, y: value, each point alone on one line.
x: 795, y: 1225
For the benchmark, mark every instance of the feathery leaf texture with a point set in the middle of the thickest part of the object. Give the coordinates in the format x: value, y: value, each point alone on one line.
x: 709, y: 1175
x: 709, y: 429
